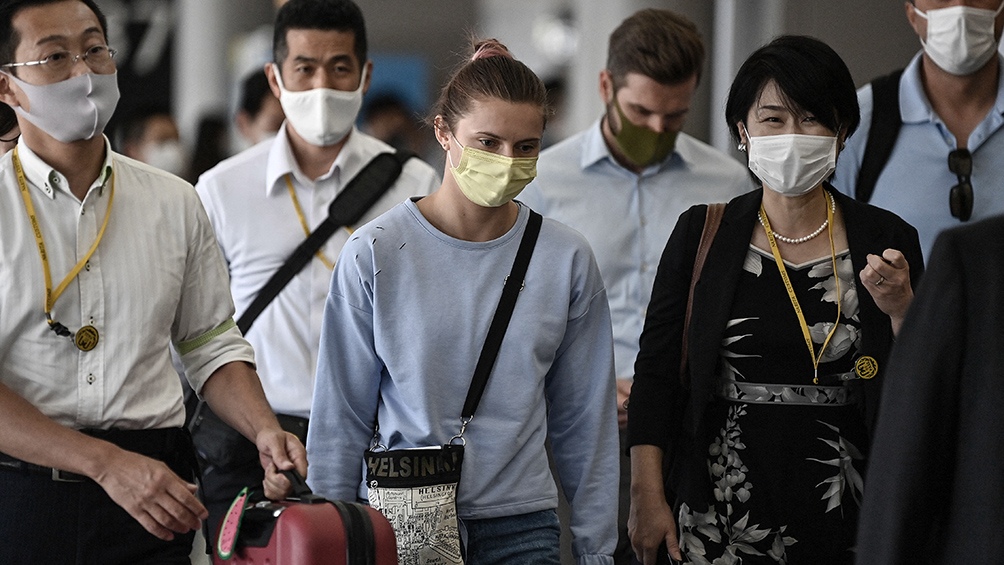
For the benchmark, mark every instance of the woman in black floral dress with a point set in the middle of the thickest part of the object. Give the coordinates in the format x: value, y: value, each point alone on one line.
x: 767, y: 431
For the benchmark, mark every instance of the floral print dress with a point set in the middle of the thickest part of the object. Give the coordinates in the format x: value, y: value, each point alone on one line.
x: 784, y: 456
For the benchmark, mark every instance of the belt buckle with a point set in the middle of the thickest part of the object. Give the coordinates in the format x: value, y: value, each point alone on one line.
x: 61, y: 476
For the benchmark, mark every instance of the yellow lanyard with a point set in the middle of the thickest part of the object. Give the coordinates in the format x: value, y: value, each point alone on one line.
x: 52, y: 295
x: 303, y: 223
x: 791, y: 290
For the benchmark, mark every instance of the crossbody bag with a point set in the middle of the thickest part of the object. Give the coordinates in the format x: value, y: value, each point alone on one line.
x: 416, y: 489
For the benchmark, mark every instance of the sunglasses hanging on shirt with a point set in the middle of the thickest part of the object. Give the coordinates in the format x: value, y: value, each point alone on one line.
x: 960, y: 197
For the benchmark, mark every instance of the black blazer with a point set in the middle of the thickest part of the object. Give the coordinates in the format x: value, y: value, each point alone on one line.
x: 661, y: 409
x: 935, y: 491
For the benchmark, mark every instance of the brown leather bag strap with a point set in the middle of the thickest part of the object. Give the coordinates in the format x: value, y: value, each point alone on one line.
x: 711, y: 223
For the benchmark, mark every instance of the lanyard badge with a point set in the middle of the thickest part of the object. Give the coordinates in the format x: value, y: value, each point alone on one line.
x: 87, y: 337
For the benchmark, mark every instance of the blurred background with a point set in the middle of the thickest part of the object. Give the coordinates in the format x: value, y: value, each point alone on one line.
x: 189, y: 59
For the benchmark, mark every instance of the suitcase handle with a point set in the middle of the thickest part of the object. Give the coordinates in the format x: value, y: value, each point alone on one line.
x: 301, y: 491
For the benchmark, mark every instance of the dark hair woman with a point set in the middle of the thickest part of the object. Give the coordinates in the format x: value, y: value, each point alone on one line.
x: 793, y: 316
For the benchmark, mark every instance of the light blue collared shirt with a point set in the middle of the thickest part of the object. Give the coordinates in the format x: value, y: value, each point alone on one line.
x: 916, y: 181
x: 627, y: 217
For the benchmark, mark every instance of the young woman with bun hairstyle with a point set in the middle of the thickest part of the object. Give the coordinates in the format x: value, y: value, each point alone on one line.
x: 411, y: 301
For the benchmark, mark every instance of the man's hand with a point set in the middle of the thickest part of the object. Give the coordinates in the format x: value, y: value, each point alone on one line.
x: 151, y: 493
x: 280, y: 451
x: 234, y: 393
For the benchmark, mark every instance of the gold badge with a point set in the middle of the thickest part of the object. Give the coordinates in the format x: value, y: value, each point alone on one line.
x: 866, y: 367
x: 86, y: 338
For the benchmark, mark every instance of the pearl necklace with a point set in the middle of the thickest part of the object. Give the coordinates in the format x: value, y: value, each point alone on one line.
x: 803, y: 239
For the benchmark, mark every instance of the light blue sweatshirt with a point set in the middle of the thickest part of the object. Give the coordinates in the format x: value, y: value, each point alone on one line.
x: 403, y: 326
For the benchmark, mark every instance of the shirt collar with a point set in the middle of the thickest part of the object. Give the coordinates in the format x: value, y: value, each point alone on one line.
x: 282, y: 162
x: 596, y: 150
x: 914, y: 105
x: 47, y: 179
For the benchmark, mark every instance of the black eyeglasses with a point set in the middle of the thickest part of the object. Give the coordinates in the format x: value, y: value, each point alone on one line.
x: 960, y: 198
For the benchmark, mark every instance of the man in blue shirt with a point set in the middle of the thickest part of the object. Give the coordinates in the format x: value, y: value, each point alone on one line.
x: 624, y: 181
x: 951, y: 99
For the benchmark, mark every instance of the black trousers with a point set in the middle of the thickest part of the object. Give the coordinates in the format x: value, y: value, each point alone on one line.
x: 46, y: 521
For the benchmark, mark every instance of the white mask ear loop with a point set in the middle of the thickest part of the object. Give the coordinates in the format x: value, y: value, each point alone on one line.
x: 449, y: 154
x: 743, y: 144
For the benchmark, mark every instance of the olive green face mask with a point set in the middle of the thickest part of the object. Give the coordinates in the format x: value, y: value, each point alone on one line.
x: 641, y: 145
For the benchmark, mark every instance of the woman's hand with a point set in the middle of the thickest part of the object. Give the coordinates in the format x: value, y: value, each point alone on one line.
x: 650, y: 521
x: 887, y: 279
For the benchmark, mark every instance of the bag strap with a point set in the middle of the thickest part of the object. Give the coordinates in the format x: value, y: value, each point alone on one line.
x: 882, y: 134
x: 503, y: 314
x: 358, y: 196
x: 712, y: 220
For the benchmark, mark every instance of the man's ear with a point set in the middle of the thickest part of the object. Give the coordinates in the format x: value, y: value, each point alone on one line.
x: 271, y: 70
x: 369, y: 76
x: 606, y: 87
x: 7, y: 91
x: 914, y: 19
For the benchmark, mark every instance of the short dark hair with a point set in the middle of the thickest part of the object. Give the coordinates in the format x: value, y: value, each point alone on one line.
x: 337, y: 15
x: 10, y: 38
x: 254, y: 92
x: 658, y: 44
x: 810, y: 76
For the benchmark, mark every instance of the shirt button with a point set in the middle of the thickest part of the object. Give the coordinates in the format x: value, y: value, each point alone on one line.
x: 643, y: 221
x: 90, y: 379
x: 644, y: 267
x: 87, y: 266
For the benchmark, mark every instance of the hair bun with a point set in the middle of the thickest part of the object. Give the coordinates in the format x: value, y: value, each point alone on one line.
x: 490, y: 48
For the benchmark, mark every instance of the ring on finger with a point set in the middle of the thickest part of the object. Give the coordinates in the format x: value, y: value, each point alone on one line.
x: 880, y: 280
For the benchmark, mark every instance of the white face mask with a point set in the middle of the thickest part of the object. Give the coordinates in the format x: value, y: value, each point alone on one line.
x: 960, y: 39
x: 168, y: 156
x: 74, y: 109
x: 792, y: 164
x: 322, y: 116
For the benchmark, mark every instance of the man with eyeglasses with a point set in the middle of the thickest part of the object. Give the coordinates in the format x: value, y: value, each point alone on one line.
x: 106, y: 261
x: 941, y: 123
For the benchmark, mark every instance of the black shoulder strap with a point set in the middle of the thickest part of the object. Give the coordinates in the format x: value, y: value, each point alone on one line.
x: 503, y: 313
x: 882, y: 133
x: 358, y: 196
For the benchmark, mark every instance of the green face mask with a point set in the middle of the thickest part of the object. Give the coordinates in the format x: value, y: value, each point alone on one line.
x: 641, y: 145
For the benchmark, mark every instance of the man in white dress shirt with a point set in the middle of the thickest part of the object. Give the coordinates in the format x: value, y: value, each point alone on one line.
x: 624, y: 181
x: 265, y: 200
x: 105, y: 261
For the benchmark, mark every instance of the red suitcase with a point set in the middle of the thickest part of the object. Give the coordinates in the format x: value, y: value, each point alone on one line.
x: 306, y: 529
